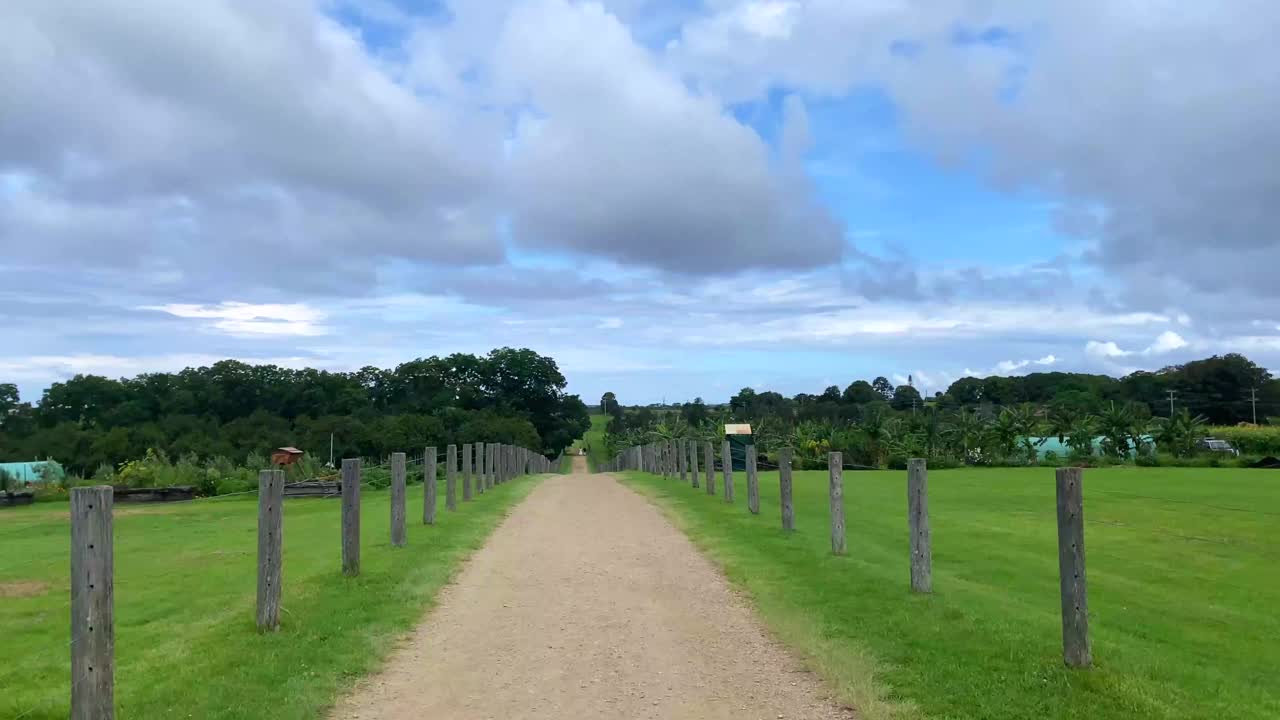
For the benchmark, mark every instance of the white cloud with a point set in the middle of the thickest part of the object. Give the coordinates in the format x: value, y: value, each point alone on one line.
x: 1168, y: 341
x: 239, y: 318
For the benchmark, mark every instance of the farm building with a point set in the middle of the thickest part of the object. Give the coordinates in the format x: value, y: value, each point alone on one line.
x: 32, y: 472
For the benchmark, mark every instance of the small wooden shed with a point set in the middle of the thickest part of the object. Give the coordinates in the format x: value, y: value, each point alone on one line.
x: 739, y: 437
x: 286, y: 456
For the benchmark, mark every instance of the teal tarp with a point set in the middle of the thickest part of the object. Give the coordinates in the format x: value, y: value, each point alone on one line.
x: 25, y: 472
x: 1051, y: 445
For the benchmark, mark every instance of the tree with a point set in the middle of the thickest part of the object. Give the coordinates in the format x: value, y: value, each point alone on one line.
x: 609, y: 404
x: 741, y: 403
x: 883, y: 386
x: 966, y: 391
x: 906, y: 397
x: 694, y: 413
x: 860, y: 392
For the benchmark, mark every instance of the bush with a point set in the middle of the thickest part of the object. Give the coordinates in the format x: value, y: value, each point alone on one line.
x: 1262, y: 440
x: 1147, y: 460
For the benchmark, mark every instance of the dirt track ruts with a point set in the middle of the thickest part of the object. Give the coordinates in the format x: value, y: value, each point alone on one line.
x: 587, y: 603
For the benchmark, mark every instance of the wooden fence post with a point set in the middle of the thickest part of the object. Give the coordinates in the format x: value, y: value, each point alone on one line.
x: 693, y: 462
x: 709, y: 459
x: 918, y: 523
x: 1075, y: 599
x: 397, y: 499
x: 467, y: 459
x: 270, y: 542
x: 93, y: 643
x: 784, y: 490
x: 429, y: 486
x: 492, y: 465
x: 682, y: 460
x: 351, y: 517
x: 726, y: 461
x: 753, y: 482
x: 479, y: 449
x: 835, y: 465
x: 451, y: 477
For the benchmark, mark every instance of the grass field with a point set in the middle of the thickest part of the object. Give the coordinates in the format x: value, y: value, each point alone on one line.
x: 1184, y: 590
x: 597, y: 455
x: 186, y: 646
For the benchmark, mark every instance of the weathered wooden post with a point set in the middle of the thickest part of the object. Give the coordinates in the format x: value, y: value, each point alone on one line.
x: 918, y: 524
x: 451, y: 477
x: 784, y: 490
x: 709, y: 459
x: 270, y: 542
x: 429, y: 486
x: 753, y: 482
x: 835, y: 466
x: 397, y: 499
x: 351, y: 517
x: 93, y: 629
x: 466, y: 472
x: 726, y: 460
x: 682, y: 460
x: 492, y: 464
x: 693, y: 462
x: 479, y: 450
x: 1075, y: 598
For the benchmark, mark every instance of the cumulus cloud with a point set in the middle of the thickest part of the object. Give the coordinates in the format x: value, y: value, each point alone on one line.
x: 623, y: 161
x: 1150, y: 123
x: 227, y: 136
x: 1168, y: 341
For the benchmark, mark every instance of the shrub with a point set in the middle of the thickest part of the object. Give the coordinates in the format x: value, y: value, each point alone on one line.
x: 1262, y: 440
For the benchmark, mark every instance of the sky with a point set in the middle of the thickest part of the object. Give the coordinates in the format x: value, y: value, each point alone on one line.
x: 672, y: 198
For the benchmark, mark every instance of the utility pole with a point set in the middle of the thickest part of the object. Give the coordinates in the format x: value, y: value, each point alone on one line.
x: 1171, y: 394
x: 1253, y: 398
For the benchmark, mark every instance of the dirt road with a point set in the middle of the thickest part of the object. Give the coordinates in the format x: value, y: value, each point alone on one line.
x: 587, y: 603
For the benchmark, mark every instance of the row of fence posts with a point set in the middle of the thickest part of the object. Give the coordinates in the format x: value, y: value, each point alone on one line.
x: 679, y: 457
x: 483, y: 465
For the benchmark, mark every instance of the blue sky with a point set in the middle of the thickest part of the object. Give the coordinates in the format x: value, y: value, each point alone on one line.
x: 674, y: 199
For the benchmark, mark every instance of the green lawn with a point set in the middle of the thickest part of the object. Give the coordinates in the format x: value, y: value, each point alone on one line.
x: 597, y: 455
x: 1184, y: 590
x: 186, y: 646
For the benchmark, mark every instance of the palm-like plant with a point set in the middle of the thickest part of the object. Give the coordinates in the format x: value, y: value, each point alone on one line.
x: 1120, y: 429
x: 1180, y: 433
x: 966, y: 434
x: 1027, y: 423
x: 1004, y: 432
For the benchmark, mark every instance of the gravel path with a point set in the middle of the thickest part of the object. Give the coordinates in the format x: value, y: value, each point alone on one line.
x: 587, y: 603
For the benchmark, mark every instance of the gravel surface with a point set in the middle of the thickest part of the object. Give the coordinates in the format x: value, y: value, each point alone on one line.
x: 587, y: 603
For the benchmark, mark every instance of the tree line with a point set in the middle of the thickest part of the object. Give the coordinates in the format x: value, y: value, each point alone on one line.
x: 1003, y: 420
x: 232, y: 409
